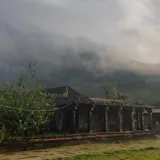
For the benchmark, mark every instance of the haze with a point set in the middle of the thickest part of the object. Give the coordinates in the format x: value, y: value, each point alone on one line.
x: 48, y: 31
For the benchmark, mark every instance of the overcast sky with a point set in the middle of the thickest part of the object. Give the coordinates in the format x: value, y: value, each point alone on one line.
x: 131, y: 26
x: 38, y: 28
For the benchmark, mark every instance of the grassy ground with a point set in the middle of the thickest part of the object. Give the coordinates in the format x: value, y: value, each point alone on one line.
x: 129, y: 150
x: 142, y: 154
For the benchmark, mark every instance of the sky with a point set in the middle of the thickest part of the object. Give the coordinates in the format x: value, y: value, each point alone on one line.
x: 49, y: 30
x: 129, y: 25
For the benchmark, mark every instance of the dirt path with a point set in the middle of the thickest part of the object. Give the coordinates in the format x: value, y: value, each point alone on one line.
x: 69, y: 151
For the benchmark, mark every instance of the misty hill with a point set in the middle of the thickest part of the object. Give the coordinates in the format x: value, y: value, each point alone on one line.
x: 87, y: 72
x: 90, y: 80
x: 84, y: 65
x: 80, y: 63
x: 140, y: 86
x: 83, y: 44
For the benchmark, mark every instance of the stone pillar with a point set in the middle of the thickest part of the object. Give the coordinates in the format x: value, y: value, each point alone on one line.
x: 139, y: 121
x: 150, y: 120
x: 120, y: 119
x: 90, y: 120
x: 106, y: 119
x: 60, y: 121
x: 143, y: 122
x: 133, y: 119
x: 74, y: 120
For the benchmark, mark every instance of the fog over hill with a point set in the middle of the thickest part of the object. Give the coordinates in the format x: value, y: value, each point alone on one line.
x: 83, y: 43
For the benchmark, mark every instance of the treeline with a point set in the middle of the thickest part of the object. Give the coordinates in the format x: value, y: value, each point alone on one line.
x: 111, y: 92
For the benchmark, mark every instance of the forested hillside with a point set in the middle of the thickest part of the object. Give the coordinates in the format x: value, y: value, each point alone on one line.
x: 139, y: 87
x: 90, y: 81
x: 146, y: 88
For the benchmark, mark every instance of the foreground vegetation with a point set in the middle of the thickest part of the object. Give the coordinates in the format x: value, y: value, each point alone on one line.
x: 128, y: 150
x: 23, y: 107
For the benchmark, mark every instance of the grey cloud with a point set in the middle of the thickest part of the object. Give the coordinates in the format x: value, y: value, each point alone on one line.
x: 92, y: 35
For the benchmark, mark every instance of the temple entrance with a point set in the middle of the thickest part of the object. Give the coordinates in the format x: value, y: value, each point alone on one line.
x: 113, y: 119
x: 127, y: 120
x: 70, y: 120
x: 83, y: 119
x: 98, y: 120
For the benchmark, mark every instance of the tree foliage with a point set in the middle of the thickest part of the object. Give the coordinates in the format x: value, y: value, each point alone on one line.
x: 24, y: 93
x: 110, y: 91
x: 117, y: 98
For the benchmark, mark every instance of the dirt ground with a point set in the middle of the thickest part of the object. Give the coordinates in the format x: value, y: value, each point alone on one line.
x: 70, y: 151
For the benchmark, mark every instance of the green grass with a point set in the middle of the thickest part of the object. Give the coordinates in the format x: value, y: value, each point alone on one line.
x: 123, y: 150
x: 148, y: 153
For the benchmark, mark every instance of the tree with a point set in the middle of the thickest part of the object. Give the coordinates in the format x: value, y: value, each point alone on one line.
x: 110, y: 91
x: 119, y: 98
x: 126, y: 98
x: 140, y: 102
x: 22, y: 106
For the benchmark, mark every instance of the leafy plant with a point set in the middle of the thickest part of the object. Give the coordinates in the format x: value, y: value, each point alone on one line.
x: 110, y: 91
x: 116, y: 98
x: 23, y: 105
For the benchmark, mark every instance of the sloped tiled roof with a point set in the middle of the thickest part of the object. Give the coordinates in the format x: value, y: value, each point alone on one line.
x: 156, y: 110
x: 56, y: 90
x: 65, y: 95
x: 99, y: 99
x: 103, y: 101
x: 115, y: 102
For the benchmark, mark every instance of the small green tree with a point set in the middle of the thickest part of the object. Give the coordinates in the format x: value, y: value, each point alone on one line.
x: 23, y: 106
x: 110, y: 91
x: 140, y: 102
x: 126, y: 98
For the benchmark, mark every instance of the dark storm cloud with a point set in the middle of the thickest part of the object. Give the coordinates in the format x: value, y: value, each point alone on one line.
x: 62, y: 34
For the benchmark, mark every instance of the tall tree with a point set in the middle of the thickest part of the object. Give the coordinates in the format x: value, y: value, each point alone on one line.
x: 126, y: 98
x: 110, y: 91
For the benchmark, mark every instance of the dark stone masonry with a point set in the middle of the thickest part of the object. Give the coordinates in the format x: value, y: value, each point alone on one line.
x: 80, y: 114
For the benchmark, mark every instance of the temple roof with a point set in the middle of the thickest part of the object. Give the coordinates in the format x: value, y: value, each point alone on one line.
x: 156, y: 110
x: 66, y: 95
x: 116, y: 102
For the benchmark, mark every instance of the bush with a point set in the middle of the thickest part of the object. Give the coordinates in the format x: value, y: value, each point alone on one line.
x: 23, y: 106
